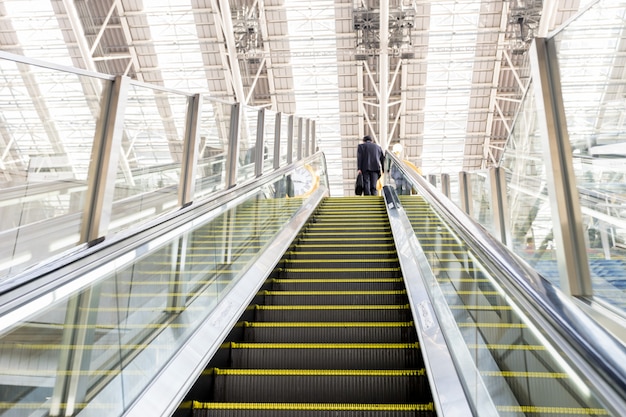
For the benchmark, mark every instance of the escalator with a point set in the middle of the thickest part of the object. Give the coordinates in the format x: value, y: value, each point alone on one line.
x: 516, y: 364
x: 330, y: 333
x: 348, y: 319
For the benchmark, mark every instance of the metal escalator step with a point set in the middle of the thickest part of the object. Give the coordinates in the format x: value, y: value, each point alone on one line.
x: 320, y: 385
x: 336, y: 284
x: 334, y: 297
x: 348, y: 273
x: 363, y: 263
x: 357, y: 247
x: 303, y: 253
x: 329, y: 332
x: 320, y: 313
x: 336, y: 241
x: 326, y: 355
x: 264, y: 409
x: 333, y: 334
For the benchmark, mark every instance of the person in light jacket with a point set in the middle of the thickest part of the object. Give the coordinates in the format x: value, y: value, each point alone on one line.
x: 370, y: 161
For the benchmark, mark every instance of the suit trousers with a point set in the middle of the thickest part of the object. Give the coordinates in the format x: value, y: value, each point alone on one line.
x: 370, y: 179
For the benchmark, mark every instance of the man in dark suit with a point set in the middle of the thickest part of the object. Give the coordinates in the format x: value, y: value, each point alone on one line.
x: 370, y: 161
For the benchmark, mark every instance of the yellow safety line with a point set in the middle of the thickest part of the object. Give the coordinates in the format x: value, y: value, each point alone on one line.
x: 334, y: 261
x: 316, y: 280
x: 360, y: 292
x: 380, y: 269
x: 314, y: 406
x: 321, y: 372
x: 519, y: 374
x: 335, y: 307
x: 494, y: 325
x: 162, y: 294
x: 462, y: 280
x: 374, y: 252
x: 506, y: 347
x: 479, y: 307
x: 477, y: 292
x: 46, y: 406
x: 54, y: 346
x: 311, y: 324
x: 235, y: 345
x: 457, y: 269
x: 346, y: 245
x: 176, y: 282
x: 561, y: 411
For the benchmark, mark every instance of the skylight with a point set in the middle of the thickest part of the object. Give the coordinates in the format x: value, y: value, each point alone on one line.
x: 450, y: 67
x: 314, y: 65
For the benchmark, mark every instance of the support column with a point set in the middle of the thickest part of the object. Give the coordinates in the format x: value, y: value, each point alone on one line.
x: 190, y: 153
x: 277, y: 132
x: 259, y: 146
x: 499, y: 205
x: 567, y: 223
x: 233, y: 146
x: 465, y: 193
x: 445, y: 184
x: 104, y: 159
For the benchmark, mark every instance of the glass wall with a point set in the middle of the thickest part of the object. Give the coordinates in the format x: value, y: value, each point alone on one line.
x: 214, y: 128
x: 48, y: 121
x: 590, y: 54
x: 51, y: 118
x: 141, y: 309
x: 530, y: 221
x: 269, y: 137
x: 149, y: 168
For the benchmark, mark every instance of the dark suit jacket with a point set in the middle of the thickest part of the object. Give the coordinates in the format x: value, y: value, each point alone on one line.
x: 370, y: 157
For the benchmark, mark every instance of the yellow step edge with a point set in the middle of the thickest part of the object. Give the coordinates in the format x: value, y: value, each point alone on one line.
x: 334, y: 280
x: 314, y: 406
x: 335, y: 307
x: 557, y: 411
x: 506, y: 347
x: 375, y: 252
x: 464, y: 280
x: 334, y: 261
x: 344, y: 245
x: 493, y: 325
x: 342, y: 226
x: 477, y: 292
x: 479, y: 307
x: 336, y: 270
x: 164, y: 294
x: 359, y: 292
x: 236, y: 345
x: 524, y: 374
x: 345, y: 324
x: 319, y: 372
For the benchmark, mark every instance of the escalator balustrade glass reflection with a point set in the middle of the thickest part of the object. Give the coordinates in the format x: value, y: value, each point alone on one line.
x: 112, y: 338
x: 521, y: 371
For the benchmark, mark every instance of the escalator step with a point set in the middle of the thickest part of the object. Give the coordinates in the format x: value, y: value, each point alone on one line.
x: 336, y: 284
x: 339, y: 264
x: 352, y: 273
x: 347, y: 255
x: 329, y: 332
x: 319, y: 385
x: 293, y: 313
x: 325, y: 355
x: 264, y: 409
x: 334, y: 297
x: 334, y: 241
